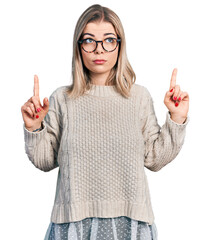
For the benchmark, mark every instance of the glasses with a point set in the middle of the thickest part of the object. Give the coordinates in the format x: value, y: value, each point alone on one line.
x: 90, y: 45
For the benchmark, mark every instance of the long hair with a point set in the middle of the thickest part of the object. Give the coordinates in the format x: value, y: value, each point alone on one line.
x: 121, y: 75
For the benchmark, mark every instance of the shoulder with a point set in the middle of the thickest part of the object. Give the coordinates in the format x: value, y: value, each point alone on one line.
x: 59, y: 91
x: 57, y: 99
x: 140, y: 90
x: 59, y: 94
x: 144, y: 99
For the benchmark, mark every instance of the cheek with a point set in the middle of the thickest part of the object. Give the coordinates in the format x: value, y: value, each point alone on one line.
x: 114, y: 57
x: 86, y: 58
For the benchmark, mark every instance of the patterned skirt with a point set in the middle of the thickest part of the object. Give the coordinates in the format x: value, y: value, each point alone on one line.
x: 119, y: 228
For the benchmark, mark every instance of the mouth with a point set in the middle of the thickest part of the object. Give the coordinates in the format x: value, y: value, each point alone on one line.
x: 99, y: 61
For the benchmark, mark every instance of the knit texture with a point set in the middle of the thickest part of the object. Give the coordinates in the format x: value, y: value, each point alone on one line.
x: 101, y: 143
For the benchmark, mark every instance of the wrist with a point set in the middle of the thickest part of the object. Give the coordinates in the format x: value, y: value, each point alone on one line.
x: 35, y: 128
x: 178, y: 119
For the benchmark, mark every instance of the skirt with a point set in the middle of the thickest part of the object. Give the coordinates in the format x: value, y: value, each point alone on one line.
x: 119, y: 228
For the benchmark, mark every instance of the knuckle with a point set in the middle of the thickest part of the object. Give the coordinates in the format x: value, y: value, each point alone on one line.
x: 34, y: 100
x: 27, y: 109
x: 27, y: 104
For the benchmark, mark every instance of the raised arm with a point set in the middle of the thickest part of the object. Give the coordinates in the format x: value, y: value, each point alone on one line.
x: 162, y: 145
x: 42, y: 146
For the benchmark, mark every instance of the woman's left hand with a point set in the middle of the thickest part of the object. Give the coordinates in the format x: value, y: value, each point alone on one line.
x: 177, y: 101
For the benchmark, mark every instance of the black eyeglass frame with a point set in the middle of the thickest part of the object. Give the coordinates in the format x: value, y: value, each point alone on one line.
x: 118, y: 40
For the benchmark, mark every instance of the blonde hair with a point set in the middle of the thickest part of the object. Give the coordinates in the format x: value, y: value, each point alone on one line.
x: 121, y: 75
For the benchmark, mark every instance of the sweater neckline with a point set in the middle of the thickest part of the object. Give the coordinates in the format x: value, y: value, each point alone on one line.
x: 102, y: 90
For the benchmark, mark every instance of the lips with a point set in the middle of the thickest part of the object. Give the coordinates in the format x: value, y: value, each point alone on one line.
x: 99, y: 61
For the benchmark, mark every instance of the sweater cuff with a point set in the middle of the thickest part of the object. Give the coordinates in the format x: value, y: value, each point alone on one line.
x: 177, y: 130
x: 179, y: 124
x: 33, y: 138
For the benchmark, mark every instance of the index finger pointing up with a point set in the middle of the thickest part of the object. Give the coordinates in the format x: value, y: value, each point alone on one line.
x: 36, y: 86
x: 173, y: 78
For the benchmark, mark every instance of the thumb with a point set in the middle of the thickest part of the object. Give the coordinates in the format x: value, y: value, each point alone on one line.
x: 45, y: 104
x: 168, y: 95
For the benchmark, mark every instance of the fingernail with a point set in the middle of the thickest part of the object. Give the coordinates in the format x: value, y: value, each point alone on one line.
x: 179, y: 99
x: 38, y: 110
x: 171, y: 90
x: 37, y: 116
x: 176, y: 104
x: 175, y: 98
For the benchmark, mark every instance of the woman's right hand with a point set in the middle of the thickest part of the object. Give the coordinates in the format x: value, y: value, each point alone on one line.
x: 33, y: 112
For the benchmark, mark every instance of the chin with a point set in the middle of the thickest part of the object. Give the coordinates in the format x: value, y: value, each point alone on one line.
x: 99, y: 69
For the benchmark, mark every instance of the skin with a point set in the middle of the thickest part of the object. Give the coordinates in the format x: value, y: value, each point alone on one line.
x: 175, y: 100
x: 33, y: 112
x: 99, y: 72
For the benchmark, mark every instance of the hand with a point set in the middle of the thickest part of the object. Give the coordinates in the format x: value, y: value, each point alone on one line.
x: 33, y: 112
x: 176, y: 101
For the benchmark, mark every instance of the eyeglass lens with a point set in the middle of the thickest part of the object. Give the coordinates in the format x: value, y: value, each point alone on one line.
x: 109, y: 44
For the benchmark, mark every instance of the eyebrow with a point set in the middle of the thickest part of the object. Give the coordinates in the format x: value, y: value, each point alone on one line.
x: 105, y: 34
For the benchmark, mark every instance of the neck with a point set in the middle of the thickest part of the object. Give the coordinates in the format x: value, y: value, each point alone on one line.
x: 99, y: 78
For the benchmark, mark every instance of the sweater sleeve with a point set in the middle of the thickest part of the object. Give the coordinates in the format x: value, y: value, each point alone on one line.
x: 42, y: 147
x: 162, y: 144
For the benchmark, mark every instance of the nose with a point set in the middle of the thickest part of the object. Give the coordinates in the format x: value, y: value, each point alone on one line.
x: 99, y: 48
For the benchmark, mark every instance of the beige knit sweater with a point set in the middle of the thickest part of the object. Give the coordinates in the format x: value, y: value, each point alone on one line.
x: 101, y: 143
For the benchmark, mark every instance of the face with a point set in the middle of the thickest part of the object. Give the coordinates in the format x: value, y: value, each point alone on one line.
x: 99, y: 31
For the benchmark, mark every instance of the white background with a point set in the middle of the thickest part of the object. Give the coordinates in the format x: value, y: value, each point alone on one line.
x: 36, y: 38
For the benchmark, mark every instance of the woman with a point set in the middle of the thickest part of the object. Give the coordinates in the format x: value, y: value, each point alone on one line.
x: 101, y: 131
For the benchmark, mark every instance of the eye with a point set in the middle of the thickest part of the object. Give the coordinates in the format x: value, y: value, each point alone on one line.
x: 109, y: 40
x: 88, y: 40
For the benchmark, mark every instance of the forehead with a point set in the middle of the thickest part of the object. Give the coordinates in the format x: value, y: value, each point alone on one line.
x: 99, y: 28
